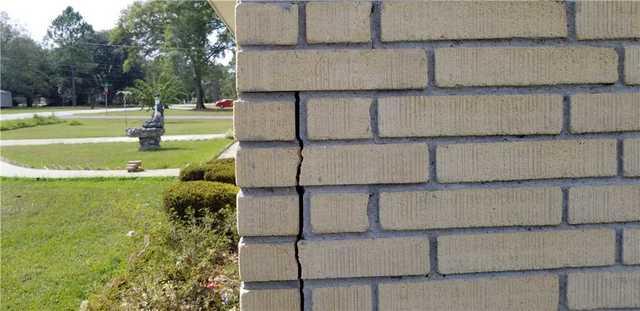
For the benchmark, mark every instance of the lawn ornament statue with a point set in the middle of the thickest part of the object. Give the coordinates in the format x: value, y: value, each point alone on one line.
x: 151, y: 131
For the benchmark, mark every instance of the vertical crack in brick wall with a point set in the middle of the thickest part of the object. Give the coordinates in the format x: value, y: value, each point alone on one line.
x: 300, y: 191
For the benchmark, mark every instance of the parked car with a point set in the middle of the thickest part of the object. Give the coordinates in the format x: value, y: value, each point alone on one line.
x: 224, y: 103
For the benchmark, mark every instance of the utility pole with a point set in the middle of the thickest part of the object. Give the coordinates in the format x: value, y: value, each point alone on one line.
x: 74, y: 100
x: 106, y: 86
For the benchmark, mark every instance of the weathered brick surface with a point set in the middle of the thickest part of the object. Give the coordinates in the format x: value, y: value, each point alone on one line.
x: 339, y: 212
x: 258, y: 214
x: 598, y: 290
x: 517, y: 293
x: 331, y: 22
x: 520, y: 66
x: 446, y: 20
x: 364, y: 164
x: 605, y: 112
x: 526, y: 160
x: 267, y: 167
x: 632, y: 65
x: 267, y: 261
x: 470, y: 208
x: 358, y: 258
x: 270, y: 299
x: 604, y: 204
x: 631, y: 246
x: 631, y: 157
x: 607, y: 19
x: 338, y: 118
x: 351, y: 298
x: 411, y: 116
x: 525, y: 250
x: 255, y: 120
x: 266, y: 23
x: 307, y: 70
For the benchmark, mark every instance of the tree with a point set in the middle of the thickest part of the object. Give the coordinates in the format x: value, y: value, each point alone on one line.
x: 182, y: 28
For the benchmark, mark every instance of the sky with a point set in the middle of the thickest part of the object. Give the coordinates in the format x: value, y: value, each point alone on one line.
x: 36, y: 15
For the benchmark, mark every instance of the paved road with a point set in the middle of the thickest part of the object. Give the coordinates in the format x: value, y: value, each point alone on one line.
x: 121, y: 117
x: 62, y: 113
x: 10, y: 170
x: 97, y: 140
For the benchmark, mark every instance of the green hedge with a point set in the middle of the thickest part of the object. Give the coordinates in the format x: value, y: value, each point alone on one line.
x: 199, y: 197
x: 222, y: 170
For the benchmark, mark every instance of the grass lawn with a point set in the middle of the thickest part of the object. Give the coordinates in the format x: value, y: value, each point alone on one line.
x: 14, y: 110
x: 111, y: 127
x: 170, y: 112
x: 174, y: 154
x: 62, y: 240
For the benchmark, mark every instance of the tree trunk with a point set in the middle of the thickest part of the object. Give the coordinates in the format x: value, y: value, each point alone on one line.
x: 197, y: 80
x: 74, y: 100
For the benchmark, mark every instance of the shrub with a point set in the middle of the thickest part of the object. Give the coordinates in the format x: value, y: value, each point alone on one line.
x: 75, y: 123
x: 193, y: 172
x: 221, y: 170
x: 198, y: 197
x: 35, y: 121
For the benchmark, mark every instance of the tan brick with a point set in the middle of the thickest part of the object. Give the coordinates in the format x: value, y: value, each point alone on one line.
x: 604, y: 204
x: 525, y: 250
x: 266, y: 23
x: 605, y: 112
x: 631, y: 246
x: 339, y: 212
x: 267, y: 167
x: 364, y: 164
x: 267, y: 261
x: 416, y: 116
x: 338, y: 118
x: 333, y: 22
x: 487, y: 66
x: 308, y: 70
x: 265, y: 215
x: 632, y: 65
x: 264, y: 120
x: 595, y: 290
x: 526, y: 160
x: 359, y: 258
x: 607, y: 19
x: 470, y: 208
x: 503, y: 293
x: 287, y: 299
x: 631, y: 161
x: 352, y: 298
x: 446, y: 20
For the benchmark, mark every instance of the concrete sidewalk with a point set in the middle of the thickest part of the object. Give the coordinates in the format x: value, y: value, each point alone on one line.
x: 27, y: 115
x: 10, y: 170
x: 97, y: 140
x: 122, y: 117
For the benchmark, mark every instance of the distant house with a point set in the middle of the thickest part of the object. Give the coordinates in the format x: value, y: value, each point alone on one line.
x: 5, y: 99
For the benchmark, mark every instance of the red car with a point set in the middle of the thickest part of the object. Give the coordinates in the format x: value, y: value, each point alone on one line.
x: 224, y: 103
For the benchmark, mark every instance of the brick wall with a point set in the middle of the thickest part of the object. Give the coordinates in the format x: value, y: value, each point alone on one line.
x: 450, y: 155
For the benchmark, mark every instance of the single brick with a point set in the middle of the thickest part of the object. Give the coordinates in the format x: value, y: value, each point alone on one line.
x: 526, y: 160
x: 352, y: 298
x: 267, y: 261
x: 631, y: 161
x: 331, y: 22
x: 267, y: 167
x: 452, y: 20
x: 338, y: 118
x: 597, y: 290
x: 526, y: 250
x: 605, y: 112
x: 604, y: 204
x: 632, y: 65
x: 631, y: 246
x: 470, y: 208
x: 287, y: 299
x: 520, y: 66
x: 339, y: 212
x: 265, y: 215
x: 364, y: 164
x: 359, y: 258
x: 423, y: 116
x: 308, y: 70
x: 266, y: 23
x: 503, y: 293
x: 264, y: 120
x: 607, y: 19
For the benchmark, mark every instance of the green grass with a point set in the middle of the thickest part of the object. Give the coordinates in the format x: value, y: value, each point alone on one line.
x: 32, y: 122
x: 106, y: 128
x: 174, y: 154
x: 14, y: 110
x: 63, y: 240
x: 170, y: 112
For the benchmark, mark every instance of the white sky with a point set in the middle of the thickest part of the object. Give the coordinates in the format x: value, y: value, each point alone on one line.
x: 36, y: 15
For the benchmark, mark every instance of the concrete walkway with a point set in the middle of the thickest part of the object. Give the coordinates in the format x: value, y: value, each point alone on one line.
x: 97, y: 140
x: 63, y: 113
x: 121, y: 117
x: 10, y: 170
x: 230, y: 152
